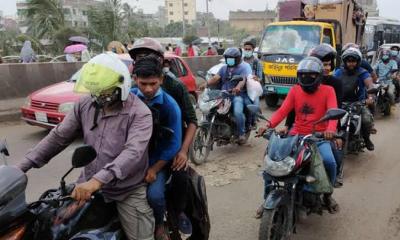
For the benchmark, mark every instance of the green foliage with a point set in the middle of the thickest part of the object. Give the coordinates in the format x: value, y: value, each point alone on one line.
x: 188, y: 39
x: 44, y: 17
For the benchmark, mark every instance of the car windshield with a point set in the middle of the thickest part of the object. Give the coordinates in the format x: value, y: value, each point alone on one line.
x: 75, y: 76
x: 290, y: 39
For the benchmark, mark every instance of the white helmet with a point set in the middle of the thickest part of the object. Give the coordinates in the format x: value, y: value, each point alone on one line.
x: 104, y: 72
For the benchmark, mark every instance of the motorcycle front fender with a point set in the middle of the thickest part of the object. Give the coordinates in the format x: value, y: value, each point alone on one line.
x: 275, y: 198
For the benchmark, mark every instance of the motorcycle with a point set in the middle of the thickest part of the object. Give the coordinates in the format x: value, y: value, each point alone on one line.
x: 217, y: 124
x: 383, y: 103
x: 288, y: 162
x: 56, y: 215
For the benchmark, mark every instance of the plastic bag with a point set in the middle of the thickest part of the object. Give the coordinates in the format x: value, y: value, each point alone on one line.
x: 254, y: 88
x: 317, y: 170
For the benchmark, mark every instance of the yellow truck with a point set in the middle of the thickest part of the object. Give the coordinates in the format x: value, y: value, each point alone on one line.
x: 284, y: 44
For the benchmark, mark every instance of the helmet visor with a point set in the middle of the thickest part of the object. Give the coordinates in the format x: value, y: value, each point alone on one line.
x: 97, y: 79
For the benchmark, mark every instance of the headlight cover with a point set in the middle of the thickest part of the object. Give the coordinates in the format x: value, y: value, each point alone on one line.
x: 66, y: 107
x: 27, y: 102
x: 281, y: 168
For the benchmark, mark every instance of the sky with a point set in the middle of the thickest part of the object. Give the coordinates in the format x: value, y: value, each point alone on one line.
x: 220, y: 8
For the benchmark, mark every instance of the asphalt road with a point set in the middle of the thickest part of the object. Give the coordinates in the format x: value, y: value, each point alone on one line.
x: 369, y: 200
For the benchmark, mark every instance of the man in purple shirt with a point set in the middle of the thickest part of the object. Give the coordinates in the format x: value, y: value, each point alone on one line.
x: 119, y: 126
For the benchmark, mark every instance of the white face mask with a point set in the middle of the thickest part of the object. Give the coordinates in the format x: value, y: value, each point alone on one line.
x: 165, y: 69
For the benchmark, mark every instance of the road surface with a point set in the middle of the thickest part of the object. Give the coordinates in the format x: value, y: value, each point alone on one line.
x: 369, y: 200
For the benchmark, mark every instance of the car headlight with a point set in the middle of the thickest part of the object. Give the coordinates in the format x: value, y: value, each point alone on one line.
x: 66, y: 107
x: 279, y: 168
x: 27, y: 102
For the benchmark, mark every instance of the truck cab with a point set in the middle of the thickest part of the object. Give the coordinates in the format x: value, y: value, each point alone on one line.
x: 283, y: 46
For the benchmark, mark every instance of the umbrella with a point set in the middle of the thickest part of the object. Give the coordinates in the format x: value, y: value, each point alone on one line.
x: 79, y: 39
x: 197, y: 41
x: 75, y: 48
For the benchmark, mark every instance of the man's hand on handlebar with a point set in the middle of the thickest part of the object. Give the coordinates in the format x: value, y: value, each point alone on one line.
x: 236, y: 91
x: 261, y: 131
x: 369, y: 101
x: 329, y: 135
x: 83, y: 191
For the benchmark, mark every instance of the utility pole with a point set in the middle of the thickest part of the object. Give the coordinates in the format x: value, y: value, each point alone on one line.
x: 183, y: 20
x: 208, y: 23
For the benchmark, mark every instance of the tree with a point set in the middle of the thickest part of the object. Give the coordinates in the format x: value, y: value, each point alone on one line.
x: 105, y: 21
x: 44, y: 17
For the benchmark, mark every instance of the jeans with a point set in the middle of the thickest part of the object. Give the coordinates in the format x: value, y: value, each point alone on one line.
x: 238, y: 108
x: 325, y: 149
x: 251, y: 118
x: 156, y: 196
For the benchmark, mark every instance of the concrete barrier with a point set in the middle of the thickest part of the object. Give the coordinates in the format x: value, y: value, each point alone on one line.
x: 19, y: 80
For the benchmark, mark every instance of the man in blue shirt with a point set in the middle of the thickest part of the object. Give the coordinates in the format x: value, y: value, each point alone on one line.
x: 355, y: 81
x: 385, y: 68
x: 235, y: 67
x: 164, y: 144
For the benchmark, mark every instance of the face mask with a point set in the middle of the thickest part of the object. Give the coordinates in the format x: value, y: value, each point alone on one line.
x: 385, y: 57
x: 165, y: 69
x: 395, y: 53
x: 230, y: 62
x: 248, y: 54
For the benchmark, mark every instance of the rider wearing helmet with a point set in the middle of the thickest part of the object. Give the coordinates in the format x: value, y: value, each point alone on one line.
x: 364, y: 63
x: 310, y: 100
x: 179, y: 186
x: 235, y: 67
x: 386, y: 68
x: 355, y: 82
x: 118, y: 125
x: 327, y: 54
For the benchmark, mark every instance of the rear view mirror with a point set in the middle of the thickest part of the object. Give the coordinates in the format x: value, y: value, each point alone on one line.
x: 373, y: 91
x: 3, y: 148
x: 83, y: 156
x: 332, y: 114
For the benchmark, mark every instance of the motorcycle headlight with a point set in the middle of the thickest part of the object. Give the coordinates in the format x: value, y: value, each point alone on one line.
x: 206, y: 106
x: 281, y: 168
x: 66, y: 107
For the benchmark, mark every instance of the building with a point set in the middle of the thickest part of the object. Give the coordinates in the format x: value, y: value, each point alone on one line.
x: 1, y: 21
x: 181, y: 10
x: 75, y: 12
x: 253, y: 22
x: 370, y: 6
x: 161, y: 16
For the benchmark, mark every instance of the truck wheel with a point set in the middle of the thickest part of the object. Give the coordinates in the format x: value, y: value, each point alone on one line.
x: 271, y: 100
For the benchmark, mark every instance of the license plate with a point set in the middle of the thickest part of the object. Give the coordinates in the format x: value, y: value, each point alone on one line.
x: 41, y: 117
x: 270, y: 89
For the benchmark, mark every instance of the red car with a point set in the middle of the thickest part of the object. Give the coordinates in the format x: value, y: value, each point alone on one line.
x: 48, y: 106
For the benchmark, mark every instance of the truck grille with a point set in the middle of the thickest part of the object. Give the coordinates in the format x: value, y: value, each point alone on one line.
x: 44, y: 105
x: 284, y: 80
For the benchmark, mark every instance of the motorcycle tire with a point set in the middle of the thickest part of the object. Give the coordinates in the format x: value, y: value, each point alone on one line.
x: 199, y: 145
x: 387, y: 110
x: 274, y: 224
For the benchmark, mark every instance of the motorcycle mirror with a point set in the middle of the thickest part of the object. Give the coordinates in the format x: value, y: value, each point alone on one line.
x: 83, y: 155
x: 332, y: 114
x: 373, y: 91
x: 3, y: 148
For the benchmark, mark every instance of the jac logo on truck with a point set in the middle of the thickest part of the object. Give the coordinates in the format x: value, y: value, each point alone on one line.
x: 285, y: 60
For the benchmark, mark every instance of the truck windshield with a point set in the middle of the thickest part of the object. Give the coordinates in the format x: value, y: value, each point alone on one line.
x: 290, y: 39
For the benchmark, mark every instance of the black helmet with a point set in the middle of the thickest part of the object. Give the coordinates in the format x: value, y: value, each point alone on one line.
x: 233, y: 53
x: 324, y: 52
x: 353, y: 53
x: 309, y: 74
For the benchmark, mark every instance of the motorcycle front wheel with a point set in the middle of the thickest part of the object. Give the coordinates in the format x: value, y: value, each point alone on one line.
x: 201, y: 146
x: 274, y: 224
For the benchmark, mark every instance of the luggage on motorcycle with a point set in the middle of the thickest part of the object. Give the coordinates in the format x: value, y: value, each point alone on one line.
x: 12, y: 194
x: 317, y: 170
